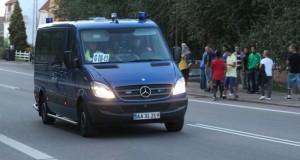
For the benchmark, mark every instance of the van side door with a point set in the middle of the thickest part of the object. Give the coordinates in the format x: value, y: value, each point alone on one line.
x: 69, y: 78
x: 41, y: 70
x: 57, y: 93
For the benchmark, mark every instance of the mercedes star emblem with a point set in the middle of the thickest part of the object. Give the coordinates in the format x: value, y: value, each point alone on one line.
x: 145, y: 92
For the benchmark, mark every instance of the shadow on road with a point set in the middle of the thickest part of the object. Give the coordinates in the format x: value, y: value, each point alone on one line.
x: 117, y: 132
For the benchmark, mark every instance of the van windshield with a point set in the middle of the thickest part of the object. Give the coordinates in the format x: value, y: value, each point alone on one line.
x: 123, y: 45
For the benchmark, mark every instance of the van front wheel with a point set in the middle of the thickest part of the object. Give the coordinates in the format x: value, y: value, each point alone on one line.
x: 87, y: 129
x: 175, y: 126
x: 45, y: 118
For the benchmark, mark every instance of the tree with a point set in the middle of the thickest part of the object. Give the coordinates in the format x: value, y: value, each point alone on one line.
x: 276, y: 29
x: 267, y: 24
x: 17, y: 29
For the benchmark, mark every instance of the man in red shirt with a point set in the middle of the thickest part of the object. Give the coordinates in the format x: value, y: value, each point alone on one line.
x: 218, y: 67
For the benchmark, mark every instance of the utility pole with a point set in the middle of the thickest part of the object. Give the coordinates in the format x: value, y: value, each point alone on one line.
x: 176, y: 25
x: 34, y: 20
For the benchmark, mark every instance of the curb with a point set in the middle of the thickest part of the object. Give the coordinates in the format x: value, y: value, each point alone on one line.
x: 247, y: 100
x: 15, y: 62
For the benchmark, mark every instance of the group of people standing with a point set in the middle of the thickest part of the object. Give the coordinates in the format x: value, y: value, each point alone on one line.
x: 230, y: 69
x: 224, y: 72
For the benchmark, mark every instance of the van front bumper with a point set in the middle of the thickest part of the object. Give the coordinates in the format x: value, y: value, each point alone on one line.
x: 106, y: 113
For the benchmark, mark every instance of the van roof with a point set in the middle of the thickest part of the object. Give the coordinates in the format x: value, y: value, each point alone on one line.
x: 101, y: 23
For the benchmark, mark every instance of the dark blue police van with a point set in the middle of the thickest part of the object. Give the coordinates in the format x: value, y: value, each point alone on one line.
x: 107, y: 72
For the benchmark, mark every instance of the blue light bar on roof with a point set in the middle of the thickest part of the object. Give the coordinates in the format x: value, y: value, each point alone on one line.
x: 49, y: 20
x: 142, y: 16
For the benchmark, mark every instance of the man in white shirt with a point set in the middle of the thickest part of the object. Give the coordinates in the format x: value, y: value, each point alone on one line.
x: 268, y: 65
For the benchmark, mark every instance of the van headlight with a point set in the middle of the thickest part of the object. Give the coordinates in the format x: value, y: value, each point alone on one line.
x: 179, y: 87
x: 101, y: 90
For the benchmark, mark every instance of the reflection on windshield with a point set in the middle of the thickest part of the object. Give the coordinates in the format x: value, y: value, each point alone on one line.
x: 123, y: 45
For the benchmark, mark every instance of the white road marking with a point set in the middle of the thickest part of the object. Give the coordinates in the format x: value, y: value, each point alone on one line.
x: 25, y: 149
x: 8, y: 86
x: 26, y: 74
x: 245, y: 107
x: 247, y: 134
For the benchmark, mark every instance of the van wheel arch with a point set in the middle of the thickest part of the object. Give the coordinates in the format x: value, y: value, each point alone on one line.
x: 79, y: 101
x: 87, y: 128
x: 41, y: 94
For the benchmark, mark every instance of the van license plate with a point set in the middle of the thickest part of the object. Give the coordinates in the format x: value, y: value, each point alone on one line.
x: 145, y: 116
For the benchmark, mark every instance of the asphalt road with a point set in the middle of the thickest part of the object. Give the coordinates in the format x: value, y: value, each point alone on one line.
x: 222, y: 130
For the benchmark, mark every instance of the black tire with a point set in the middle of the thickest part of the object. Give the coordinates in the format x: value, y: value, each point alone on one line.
x: 175, y: 126
x: 87, y: 129
x: 44, y: 111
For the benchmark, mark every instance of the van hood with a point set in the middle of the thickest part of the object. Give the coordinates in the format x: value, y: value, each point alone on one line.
x: 135, y: 73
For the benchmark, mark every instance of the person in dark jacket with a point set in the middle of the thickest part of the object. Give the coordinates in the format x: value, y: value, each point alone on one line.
x: 246, y: 79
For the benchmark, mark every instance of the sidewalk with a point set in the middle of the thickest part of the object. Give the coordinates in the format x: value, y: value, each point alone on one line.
x: 278, y: 98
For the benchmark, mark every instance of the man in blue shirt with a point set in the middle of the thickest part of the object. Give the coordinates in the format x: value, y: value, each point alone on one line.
x: 203, y: 85
x: 224, y: 57
x: 208, y: 72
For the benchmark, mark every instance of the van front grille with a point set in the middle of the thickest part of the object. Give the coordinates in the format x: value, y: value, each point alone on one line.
x: 142, y: 92
x: 146, y: 108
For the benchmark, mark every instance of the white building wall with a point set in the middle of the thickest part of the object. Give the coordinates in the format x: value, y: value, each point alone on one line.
x: 42, y: 17
x: 5, y: 30
x: 6, y: 22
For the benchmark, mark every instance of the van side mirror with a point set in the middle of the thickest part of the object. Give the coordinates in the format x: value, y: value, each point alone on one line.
x: 68, y: 61
x: 177, y: 54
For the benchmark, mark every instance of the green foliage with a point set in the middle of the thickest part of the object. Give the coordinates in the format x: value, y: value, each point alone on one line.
x: 2, y: 53
x: 277, y: 29
x: 28, y: 50
x: 17, y: 29
x: 271, y: 25
x: 1, y: 41
x: 3, y: 47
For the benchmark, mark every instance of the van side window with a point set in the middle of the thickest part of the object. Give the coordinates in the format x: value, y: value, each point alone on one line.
x: 72, y: 44
x: 57, y: 46
x: 50, y: 46
x: 42, y: 46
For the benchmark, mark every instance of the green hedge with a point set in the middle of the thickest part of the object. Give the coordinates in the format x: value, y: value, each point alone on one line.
x: 2, y: 53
